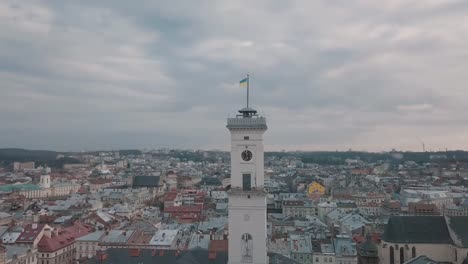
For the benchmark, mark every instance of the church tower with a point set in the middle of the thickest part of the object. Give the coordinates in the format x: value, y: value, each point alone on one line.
x: 45, y: 181
x: 247, y: 198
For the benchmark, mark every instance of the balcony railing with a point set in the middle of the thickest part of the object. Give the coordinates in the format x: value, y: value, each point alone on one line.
x: 247, y: 122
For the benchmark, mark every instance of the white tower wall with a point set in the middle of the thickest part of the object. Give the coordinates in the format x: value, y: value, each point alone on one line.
x: 45, y: 181
x: 247, y: 207
x: 254, y: 166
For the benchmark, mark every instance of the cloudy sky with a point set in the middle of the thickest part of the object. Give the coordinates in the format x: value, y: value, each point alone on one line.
x: 362, y: 74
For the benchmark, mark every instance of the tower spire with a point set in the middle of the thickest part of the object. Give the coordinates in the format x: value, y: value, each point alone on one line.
x: 248, y: 89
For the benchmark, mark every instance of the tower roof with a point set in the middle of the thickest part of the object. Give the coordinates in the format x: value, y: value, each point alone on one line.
x: 247, y: 111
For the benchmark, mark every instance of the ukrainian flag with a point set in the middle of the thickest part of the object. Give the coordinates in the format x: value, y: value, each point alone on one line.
x: 244, y: 82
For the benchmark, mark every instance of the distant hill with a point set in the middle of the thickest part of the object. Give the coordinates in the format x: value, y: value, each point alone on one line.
x: 17, y: 154
x: 40, y: 157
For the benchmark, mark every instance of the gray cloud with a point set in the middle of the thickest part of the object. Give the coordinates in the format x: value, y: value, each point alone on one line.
x: 328, y: 74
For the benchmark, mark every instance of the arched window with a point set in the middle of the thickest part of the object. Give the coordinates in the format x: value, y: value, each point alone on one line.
x: 413, y: 252
x: 246, y: 247
x: 402, y: 255
x: 392, y: 255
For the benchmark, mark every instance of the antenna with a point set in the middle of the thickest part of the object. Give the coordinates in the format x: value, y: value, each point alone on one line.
x: 248, y: 89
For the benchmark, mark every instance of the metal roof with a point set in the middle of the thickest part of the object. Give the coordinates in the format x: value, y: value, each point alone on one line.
x: 414, y: 229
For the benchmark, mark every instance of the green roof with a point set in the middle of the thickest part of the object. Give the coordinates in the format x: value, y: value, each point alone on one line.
x: 417, y: 229
x: 146, y: 181
x: 18, y: 187
x: 459, y: 226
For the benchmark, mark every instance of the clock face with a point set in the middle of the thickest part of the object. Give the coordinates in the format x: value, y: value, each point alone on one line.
x: 246, y: 155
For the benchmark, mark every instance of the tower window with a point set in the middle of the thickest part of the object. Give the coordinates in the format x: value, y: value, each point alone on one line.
x: 246, y: 182
x: 246, y: 137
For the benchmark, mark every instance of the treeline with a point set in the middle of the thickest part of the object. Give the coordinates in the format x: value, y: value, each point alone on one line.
x: 40, y: 157
x: 339, y: 157
x: 24, y: 155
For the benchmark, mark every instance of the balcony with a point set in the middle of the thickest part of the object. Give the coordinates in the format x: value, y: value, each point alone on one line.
x: 247, y: 123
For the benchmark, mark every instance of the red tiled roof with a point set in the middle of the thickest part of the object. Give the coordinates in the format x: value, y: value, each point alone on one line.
x: 212, y: 255
x: 218, y: 246
x: 134, y: 252
x: 170, y: 196
x: 30, y: 233
x: 47, y: 219
x: 64, y: 238
x: 82, y: 190
x: 359, y: 239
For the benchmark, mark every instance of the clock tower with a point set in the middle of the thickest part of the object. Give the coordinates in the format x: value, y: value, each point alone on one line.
x: 247, y: 198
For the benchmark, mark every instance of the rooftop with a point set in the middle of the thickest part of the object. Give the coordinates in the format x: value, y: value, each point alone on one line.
x: 163, y: 237
x: 30, y: 232
x: 300, y: 244
x: 146, y: 181
x: 62, y: 238
x: 16, y: 250
x: 327, y: 248
x: 195, y: 256
x: 10, y: 237
x: 344, y: 246
x: 116, y: 237
x: 413, y: 229
x: 199, y: 240
x: 91, y: 237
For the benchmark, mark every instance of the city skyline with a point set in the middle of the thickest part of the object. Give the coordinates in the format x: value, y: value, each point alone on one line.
x: 327, y: 76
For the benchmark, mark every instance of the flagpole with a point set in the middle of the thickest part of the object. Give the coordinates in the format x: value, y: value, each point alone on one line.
x: 248, y: 84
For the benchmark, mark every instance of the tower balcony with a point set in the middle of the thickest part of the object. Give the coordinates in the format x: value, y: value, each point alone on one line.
x: 255, y: 191
x: 241, y: 122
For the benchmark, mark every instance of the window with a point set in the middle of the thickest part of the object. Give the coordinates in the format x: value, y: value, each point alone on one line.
x: 392, y: 255
x: 316, y: 259
x: 413, y: 252
x: 246, y: 182
x: 402, y: 255
x: 246, y: 137
x: 247, y: 247
x: 330, y: 260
